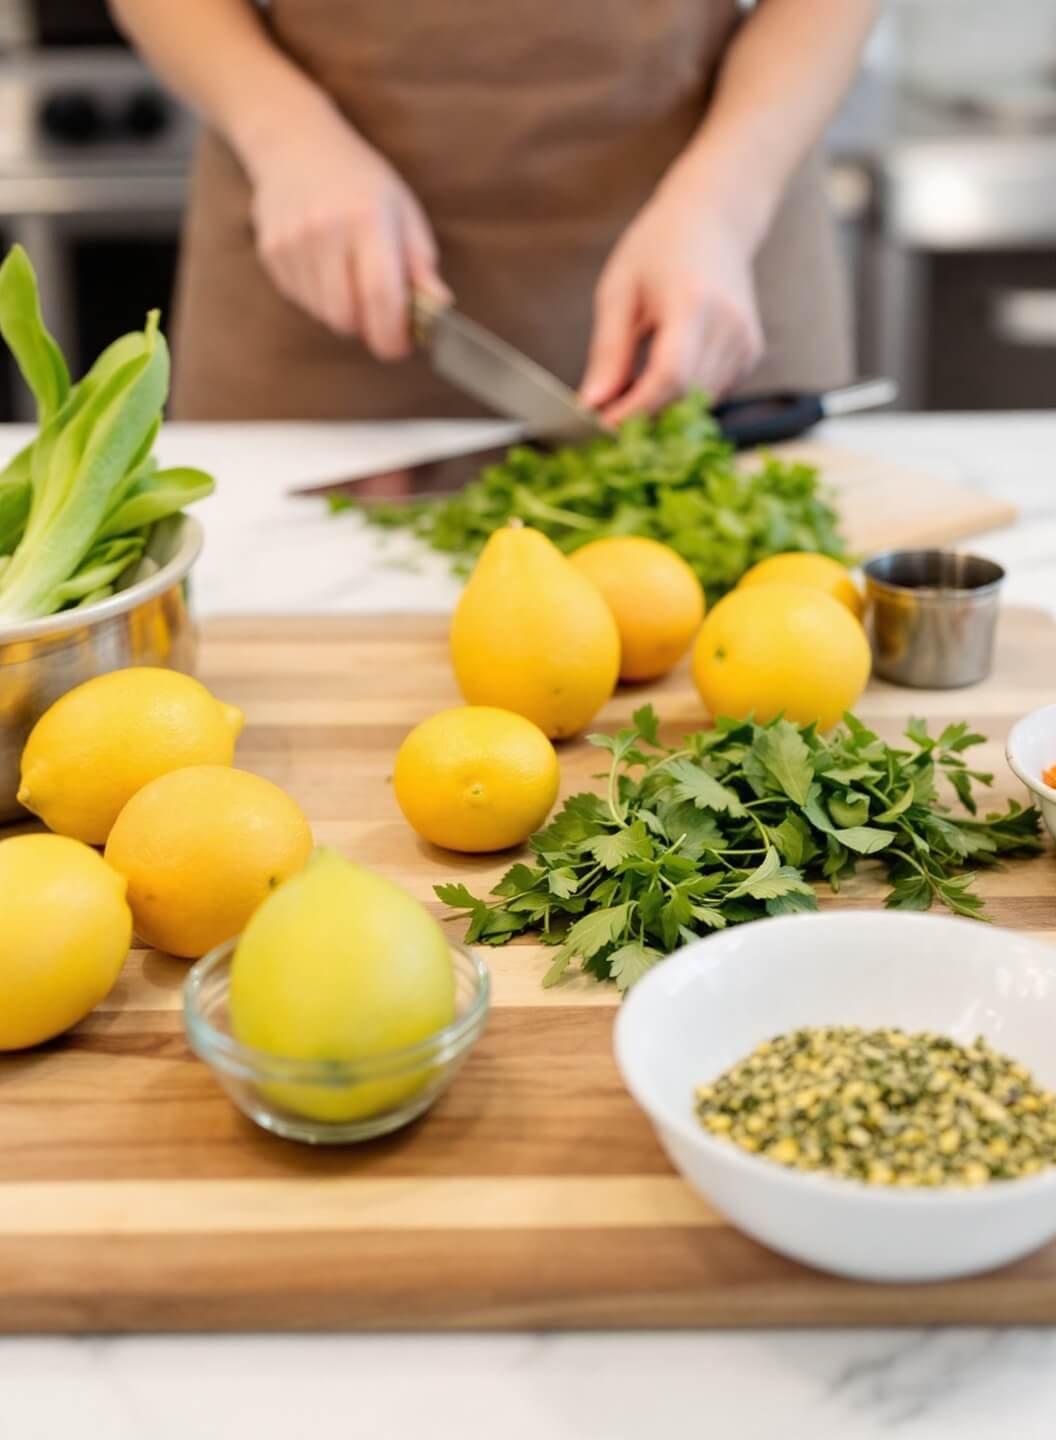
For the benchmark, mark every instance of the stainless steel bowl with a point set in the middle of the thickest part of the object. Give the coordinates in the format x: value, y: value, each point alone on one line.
x: 932, y: 615
x: 147, y: 623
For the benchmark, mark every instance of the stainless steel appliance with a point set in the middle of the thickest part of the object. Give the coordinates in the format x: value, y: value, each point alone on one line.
x: 93, y: 165
x: 956, y: 250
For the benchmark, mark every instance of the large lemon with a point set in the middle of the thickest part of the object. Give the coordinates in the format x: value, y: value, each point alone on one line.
x: 802, y: 567
x: 65, y: 929
x: 100, y: 743
x: 532, y: 634
x: 655, y: 599
x: 340, y: 965
x: 476, y: 778
x: 201, y: 848
x: 769, y: 650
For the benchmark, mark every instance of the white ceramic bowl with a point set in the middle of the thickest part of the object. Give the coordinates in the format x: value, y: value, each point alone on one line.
x: 689, y: 1019
x: 1031, y: 748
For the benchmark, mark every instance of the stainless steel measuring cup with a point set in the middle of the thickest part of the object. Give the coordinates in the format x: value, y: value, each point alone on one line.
x: 931, y: 617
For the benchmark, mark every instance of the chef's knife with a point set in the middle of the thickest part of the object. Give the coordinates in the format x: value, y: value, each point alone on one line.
x: 496, y: 373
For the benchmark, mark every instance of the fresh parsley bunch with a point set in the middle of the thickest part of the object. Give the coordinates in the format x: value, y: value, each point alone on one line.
x: 672, y: 478
x: 734, y: 825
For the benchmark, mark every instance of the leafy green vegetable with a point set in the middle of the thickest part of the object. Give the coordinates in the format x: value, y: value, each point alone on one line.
x: 35, y: 350
x: 672, y: 478
x: 78, y: 505
x: 16, y: 490
x: 734, y: 825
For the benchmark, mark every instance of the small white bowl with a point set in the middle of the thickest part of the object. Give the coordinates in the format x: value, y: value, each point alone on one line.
x: 1031, y: 748
x: 696, y: 1014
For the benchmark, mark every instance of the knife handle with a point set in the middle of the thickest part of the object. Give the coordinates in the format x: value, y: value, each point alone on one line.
x: 765, y: 419
x: 425, y: 311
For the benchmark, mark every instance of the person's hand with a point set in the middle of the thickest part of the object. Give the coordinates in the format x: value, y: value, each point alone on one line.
x: 341, y: 235
x: 681, y: 280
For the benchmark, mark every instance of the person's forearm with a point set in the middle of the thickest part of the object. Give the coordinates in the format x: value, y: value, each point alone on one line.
x: 779, y: 84
x: 219, y: 58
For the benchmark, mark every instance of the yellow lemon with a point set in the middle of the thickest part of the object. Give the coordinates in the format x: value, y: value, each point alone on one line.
x: 201, y: 848
x: 801, y: 567
x: 100, y: 743
x: 476, y: 778
x: 655, y: 599
x: 64, y: 935
x: 342, y: 965
x: 769, y: 650
x: 532, y: 634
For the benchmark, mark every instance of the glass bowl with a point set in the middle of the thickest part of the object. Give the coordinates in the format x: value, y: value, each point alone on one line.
x: 331, y: 1102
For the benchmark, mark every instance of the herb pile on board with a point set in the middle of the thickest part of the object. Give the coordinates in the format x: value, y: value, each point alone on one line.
x: 672, y: 478
x: 735, y: 825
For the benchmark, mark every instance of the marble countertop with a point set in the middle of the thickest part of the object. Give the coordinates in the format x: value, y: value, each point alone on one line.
x: 266, y: 552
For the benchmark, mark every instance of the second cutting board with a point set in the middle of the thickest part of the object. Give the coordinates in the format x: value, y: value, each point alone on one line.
x: 883, y: 505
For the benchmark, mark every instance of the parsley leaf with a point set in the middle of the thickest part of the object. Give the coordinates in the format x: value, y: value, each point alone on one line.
x: 612, y: 848
x: 587, y: 936
x: 695, y: 784
x: 647, y: 723
x: 630, y: 962
x: 770, y: 880
x: 786, y: 758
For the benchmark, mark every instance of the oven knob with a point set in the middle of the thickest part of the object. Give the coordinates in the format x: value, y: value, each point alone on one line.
x: 73, y: 116
x: 145, y: 114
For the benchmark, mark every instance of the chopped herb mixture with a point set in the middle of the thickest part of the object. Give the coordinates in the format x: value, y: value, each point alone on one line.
x: 672, y: 478
x: 734, y: 825
x: 885, y: 1107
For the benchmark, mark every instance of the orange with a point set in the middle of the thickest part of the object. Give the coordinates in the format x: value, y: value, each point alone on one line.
x: 802, y: 567
x: 201, y: 848
x: 769, y: 650
x: 655, y: 599
x: 476, y: 778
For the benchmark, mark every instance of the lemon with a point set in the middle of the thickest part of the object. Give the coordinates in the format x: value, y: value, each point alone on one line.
x: 100, y: 743
x: 802, y: 567
x: 770, y: 650
x: 201, y: 848
x: 531, y: 634
x: 341, y: 964
x: 64, y: 935
x: 476, y: 778
x: 655, y: 599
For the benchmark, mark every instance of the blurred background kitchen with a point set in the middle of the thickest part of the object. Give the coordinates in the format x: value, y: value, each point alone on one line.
x: 942, y: 169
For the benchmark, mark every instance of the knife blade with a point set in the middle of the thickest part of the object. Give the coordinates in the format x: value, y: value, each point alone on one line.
x: 499, y: 375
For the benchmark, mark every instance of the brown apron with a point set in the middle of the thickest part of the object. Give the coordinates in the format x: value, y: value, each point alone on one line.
x: 531, y: 135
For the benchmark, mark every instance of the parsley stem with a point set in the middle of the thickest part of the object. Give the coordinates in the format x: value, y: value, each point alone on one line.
x: 933, y: 884
x: 659, y: 765
x: 614, y: 804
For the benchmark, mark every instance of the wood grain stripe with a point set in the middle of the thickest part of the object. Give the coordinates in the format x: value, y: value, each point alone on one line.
x: 203, y: 1207
x: 689, y: 1276
x: 683, y: 711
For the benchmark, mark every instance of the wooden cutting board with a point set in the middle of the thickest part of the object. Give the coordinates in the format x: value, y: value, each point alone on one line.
x: 134, y: 1197
x: 887, y: 506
